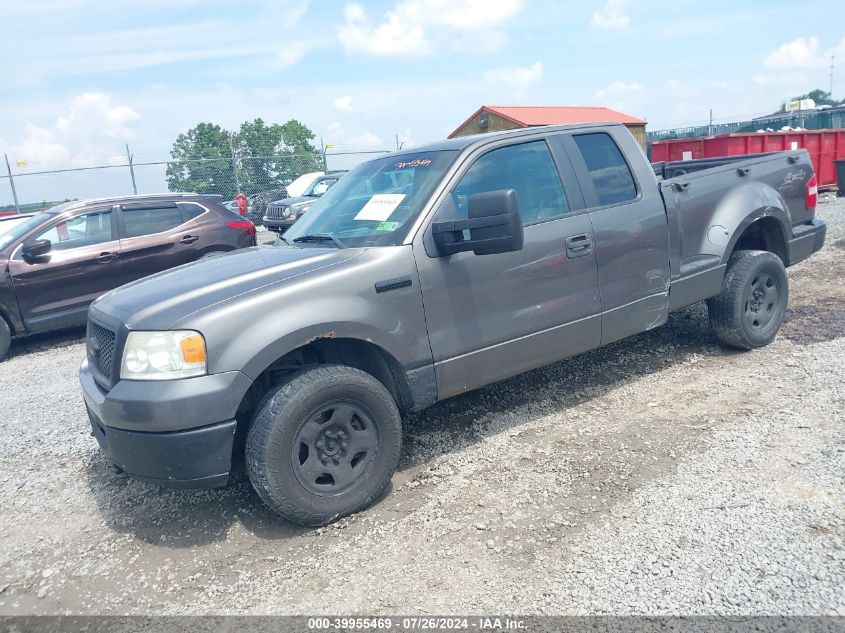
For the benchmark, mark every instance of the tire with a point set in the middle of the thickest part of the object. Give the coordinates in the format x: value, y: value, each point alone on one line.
x: 324, y: 445
x: 750, y: 309
x: 5, y: 338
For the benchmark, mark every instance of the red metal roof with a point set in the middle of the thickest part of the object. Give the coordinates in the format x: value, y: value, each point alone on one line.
x: 555, y: 115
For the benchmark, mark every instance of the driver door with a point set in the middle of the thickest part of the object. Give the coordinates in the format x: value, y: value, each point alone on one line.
x: 493, y: 316
x: 56, y: 289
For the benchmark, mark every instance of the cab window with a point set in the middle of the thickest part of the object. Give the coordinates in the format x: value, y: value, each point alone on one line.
x: 149, y: 220
x: 83, y: 230
x: 528, y: 169
x: 609, y: 172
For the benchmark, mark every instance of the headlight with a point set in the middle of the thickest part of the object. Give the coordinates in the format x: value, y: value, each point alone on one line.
x: 285, y: 211
x: 163, y: 355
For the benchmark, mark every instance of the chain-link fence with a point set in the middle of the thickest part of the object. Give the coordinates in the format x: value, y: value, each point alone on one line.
x: 820, y: 120
x: 30, y: 186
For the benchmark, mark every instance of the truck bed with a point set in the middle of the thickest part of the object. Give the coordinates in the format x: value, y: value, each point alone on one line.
x: 671, y: 169
x: 708, y: 201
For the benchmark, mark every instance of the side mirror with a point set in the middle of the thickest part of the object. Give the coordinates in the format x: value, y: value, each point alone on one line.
x: 494, y: 225
x: 36, y: 249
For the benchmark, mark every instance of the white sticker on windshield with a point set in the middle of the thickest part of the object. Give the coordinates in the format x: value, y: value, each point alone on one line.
x: 380, y: 206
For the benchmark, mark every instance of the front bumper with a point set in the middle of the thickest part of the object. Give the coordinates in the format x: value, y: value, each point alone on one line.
x: 278, y: 226
x: 806, y: 240
x: 177, y: 433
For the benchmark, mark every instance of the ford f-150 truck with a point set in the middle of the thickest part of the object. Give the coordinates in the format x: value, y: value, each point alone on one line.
x: 420, y: 276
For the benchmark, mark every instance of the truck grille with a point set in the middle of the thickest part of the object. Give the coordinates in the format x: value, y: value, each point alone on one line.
x: 100, y: 346
x: 276, y: 211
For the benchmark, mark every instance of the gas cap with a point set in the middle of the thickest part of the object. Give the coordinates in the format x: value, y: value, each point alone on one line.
x: 718, y: 235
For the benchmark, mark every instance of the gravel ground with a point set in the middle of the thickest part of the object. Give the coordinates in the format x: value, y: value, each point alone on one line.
x: 659, y: 475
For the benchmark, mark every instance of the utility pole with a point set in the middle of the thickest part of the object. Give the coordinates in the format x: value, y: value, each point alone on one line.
x: 830, y: 92
x: 12, y: 182
x: 323, y: 151
x: 234, y: 163
x: 710, y: 127
x: 131, y: 170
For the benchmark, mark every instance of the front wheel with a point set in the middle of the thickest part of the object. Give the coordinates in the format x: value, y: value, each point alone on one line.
x: 5, y: 338
x: 750, y: 309
x: 324, y: 445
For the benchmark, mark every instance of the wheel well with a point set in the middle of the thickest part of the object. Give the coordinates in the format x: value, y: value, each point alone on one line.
x: 356, y: 353
x: 764, y: 234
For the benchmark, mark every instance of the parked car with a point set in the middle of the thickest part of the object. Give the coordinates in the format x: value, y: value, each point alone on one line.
x: 298, y: 186
x: 7, y: 221
x: 56, y: 262
x: 232, y: 205
x: 257, y: 203
x: 420, y: 276
x: 281, y: 214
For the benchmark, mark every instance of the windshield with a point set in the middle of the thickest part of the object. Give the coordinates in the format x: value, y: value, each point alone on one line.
x: 14, y: 228
x: 376, y: 203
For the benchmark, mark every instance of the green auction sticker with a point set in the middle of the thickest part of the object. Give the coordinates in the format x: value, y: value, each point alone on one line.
x: 387, y: 226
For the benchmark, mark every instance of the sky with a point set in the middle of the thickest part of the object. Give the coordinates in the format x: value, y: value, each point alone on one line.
x: 80, y: 79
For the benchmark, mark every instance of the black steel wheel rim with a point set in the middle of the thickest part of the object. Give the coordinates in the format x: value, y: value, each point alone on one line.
x: 762, y: 304
x: 334, y: 448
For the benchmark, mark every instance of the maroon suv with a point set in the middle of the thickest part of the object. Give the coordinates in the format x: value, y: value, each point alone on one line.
x: 55, y: 263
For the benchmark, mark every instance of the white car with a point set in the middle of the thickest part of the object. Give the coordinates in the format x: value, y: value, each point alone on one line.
x: 298, y: 186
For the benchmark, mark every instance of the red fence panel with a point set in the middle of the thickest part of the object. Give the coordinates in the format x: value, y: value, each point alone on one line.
x: 824, y: 146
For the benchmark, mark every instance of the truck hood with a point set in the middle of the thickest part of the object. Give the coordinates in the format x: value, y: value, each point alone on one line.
x: 293, y: 201
x: 159, y: 301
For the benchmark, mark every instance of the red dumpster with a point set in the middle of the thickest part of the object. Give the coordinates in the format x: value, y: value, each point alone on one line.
x: 824, y: 147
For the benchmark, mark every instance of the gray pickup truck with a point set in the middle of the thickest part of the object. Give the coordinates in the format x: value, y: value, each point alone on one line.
x: 420, y: 276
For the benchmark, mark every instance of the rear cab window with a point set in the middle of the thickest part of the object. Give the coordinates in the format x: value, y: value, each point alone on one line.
x: 609, y: 171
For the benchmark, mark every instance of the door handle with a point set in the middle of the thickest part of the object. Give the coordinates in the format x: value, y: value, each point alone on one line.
x: 578, y: 245
x: 188, y: 239
x: 105, y: 258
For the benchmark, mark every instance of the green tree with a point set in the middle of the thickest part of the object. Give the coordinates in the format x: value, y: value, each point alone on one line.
x: 202, y: 162
x: 271, y: 156
x: 267, y: 157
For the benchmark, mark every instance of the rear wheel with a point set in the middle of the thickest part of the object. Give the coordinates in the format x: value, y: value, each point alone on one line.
x: 324, y: 445
x: 750, y: 309
x: 5, y: 338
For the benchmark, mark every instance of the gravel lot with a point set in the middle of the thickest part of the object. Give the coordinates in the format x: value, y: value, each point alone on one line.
x: 660, y: 475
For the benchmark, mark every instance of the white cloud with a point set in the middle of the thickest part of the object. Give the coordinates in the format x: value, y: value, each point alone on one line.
x: 365, y: 138
x: 618, y: 88
x: 343, y: 103
x: 39, y: 145
x: 292, y: 53
x: 802, y: 52
x: 412, y: 27
x: 339, y: 136
x: 516, y: 77
x: 93, y: 115
x: 93, y: 128
x: 611, y: 16
x: 95, y: 46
